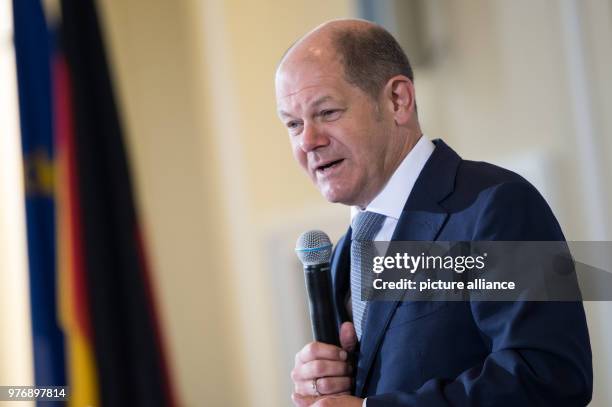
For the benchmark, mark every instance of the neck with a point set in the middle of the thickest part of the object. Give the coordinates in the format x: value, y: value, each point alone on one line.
x: 406, y: 145
x: 408, y: 142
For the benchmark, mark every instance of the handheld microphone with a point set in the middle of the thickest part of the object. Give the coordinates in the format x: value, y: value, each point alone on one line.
x: 314, y: 250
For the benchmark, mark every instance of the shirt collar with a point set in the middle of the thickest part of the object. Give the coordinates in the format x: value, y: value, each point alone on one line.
x: 391, y: 200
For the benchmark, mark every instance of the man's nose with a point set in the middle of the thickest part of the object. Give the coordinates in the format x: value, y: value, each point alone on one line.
x: 313, y: 138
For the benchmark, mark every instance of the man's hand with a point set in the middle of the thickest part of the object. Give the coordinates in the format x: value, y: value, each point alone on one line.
x: 321, y: 369
x: 328, y: 401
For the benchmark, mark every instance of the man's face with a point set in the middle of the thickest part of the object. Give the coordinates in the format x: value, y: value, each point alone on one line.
x: 338, y: 134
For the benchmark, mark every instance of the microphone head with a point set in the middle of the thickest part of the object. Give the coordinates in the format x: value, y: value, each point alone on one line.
x: 313, y: 248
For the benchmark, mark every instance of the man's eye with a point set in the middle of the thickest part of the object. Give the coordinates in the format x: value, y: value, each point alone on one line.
x: 292, y: 125
x: 330, y: 114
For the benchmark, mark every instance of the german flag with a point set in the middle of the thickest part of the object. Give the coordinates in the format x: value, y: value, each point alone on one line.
x: 114, y: 351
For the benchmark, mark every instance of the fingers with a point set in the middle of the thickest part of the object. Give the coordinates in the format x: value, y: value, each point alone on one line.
x: 320, y: 368
x: 328, y: 365
x: 304, y: 401
x: 334, y: 385
x: 338, y: 401
x: 320, y: 350
x: 348, y: 336
x: 325, y: 385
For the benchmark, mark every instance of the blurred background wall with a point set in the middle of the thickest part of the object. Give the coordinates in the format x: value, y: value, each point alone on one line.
x: 15, y: 337
x: 523, y: 84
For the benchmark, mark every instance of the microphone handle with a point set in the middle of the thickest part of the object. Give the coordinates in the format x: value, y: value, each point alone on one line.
x: 320, y: 301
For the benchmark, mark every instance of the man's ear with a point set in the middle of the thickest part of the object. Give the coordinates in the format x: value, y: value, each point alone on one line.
x: 399, y: 95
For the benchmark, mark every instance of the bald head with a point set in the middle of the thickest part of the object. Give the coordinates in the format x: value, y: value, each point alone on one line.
x: 366, y: 52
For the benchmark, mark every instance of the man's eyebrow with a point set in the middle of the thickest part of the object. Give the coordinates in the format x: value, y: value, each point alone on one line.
x: 321, y: 100
x: 284, y: 114
x: 316, y: 103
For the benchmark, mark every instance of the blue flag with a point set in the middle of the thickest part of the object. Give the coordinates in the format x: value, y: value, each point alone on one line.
x: 33, y: 48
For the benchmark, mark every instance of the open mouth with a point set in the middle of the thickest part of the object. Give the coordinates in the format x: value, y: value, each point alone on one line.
x: 330, y: 165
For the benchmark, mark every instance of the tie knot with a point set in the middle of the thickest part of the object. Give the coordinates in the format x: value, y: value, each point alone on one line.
x: 366, y: 225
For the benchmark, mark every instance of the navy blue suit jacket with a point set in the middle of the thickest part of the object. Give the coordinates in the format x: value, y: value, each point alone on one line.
x: 470, y: 353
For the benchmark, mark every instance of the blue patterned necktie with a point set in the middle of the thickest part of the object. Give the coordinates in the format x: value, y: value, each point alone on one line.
x: 365, y: 226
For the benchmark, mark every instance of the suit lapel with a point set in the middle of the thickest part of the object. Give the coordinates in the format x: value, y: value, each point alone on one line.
x: 421, y: 220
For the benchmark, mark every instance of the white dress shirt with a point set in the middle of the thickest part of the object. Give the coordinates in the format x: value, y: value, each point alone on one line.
x: 391, y: 200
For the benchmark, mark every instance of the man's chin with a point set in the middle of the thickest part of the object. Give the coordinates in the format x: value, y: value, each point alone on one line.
x: 335, y: 196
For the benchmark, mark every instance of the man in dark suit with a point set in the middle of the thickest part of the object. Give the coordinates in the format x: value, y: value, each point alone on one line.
x: 345, y: 92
